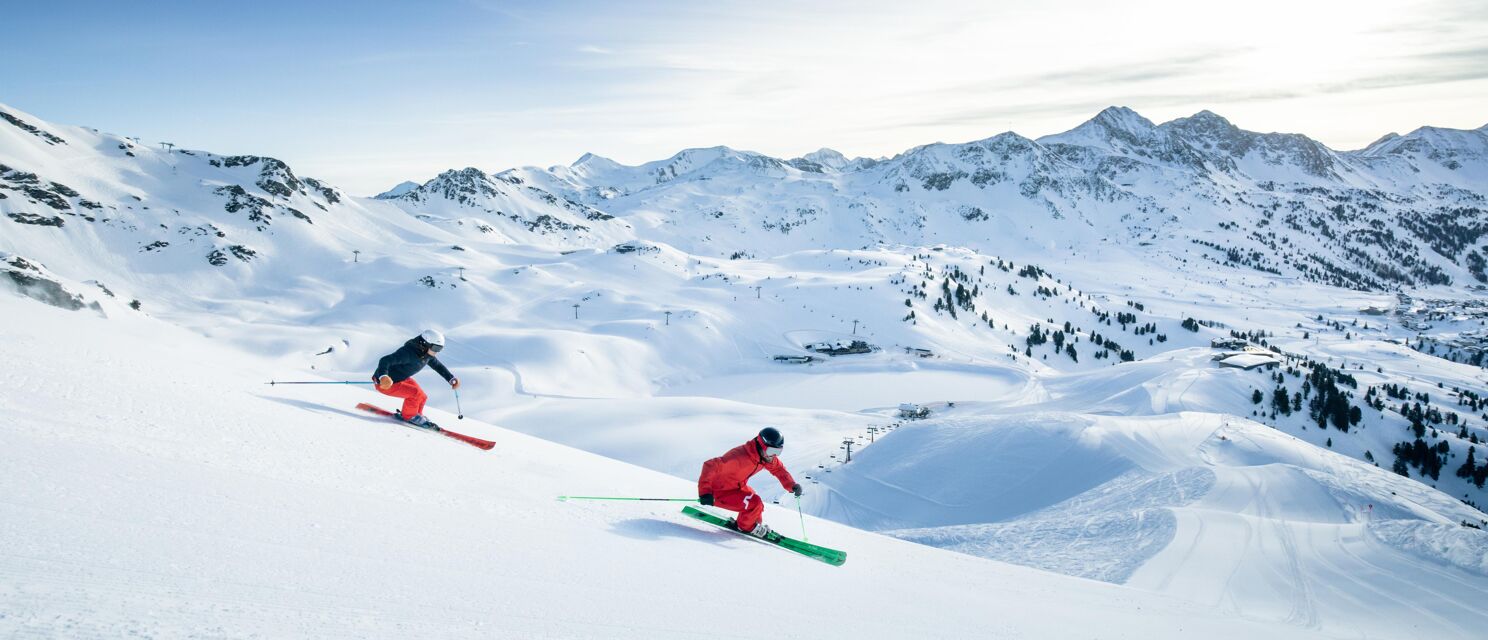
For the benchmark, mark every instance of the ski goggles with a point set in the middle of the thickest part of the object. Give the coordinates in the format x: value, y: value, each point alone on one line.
x: 771, y: 452
x: 436, y: 348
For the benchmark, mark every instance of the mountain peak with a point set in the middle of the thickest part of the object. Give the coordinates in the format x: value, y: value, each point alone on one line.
x: 466, y: 173
x: 1207, y: 128
x: 1122, y: 119
x: 715, y: 151
x: 1112, y: 124
x: 710, y: 161
x: 592, y: 160
x: 824, y: 153
x: 1448, y: 147
x: 1204, y: 120
x: 400, y: 189
x: 820, y: 160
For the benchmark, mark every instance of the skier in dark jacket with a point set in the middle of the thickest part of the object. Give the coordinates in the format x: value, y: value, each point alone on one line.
x: 724, y: 481
x: 394, y: 375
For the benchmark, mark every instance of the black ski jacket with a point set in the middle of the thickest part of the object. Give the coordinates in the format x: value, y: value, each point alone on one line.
x: 409, y: 359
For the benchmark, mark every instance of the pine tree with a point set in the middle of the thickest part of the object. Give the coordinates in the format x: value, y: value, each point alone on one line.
x: 1280, y: 401
x: 1338, y: 408
x: 1470, y: 467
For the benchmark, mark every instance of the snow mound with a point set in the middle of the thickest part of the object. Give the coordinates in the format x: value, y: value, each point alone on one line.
x: 1215, y: 508
x: 1450, y: 544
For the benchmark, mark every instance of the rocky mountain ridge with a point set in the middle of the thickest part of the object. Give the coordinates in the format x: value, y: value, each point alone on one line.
x: 1406, y: 211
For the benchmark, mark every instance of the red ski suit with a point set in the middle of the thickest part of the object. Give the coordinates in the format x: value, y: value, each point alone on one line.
x: 727, y: 478
x: 412, y: 394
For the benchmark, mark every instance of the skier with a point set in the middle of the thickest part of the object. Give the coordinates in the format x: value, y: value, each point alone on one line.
x: 394, y: 375
x: 724, y: 481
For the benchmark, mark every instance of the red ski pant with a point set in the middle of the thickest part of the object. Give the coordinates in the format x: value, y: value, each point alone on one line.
x: 745, y: 501
x: 412, y: 394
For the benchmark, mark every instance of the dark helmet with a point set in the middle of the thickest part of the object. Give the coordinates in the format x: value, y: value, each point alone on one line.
x: 770, y: 437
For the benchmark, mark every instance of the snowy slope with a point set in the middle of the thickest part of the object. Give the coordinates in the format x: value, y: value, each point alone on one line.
x: 1223, y: 511
x: 634, y: 313
x: 197, y: 501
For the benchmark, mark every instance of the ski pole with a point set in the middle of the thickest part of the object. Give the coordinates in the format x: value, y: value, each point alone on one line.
x: 567, y: 498
x: 273, y: 382
x: 804, y: 537
x: 457, y: 405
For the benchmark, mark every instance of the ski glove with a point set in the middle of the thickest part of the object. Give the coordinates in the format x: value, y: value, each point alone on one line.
x: 454, y: 383
x: 796, y: 489
x: 384, y: 383
x: 706, y: 499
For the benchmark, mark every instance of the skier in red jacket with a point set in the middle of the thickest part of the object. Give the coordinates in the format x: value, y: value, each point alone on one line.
x: 725, y: 480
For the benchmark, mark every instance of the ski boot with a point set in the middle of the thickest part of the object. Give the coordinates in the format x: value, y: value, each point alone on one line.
x: 423, y: 423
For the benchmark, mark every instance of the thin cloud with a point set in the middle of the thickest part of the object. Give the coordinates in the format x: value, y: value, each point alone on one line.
x: 1477, y: 56
x: 1411, y: 79
x: 1164, y: 68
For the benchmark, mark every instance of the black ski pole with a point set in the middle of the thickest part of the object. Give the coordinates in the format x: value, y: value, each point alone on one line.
x: 275, y: 382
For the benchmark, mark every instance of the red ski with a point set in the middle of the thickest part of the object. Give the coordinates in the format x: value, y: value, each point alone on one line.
x: 470, y: 440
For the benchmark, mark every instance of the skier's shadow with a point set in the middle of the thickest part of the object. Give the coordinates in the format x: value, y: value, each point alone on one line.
x: 656, y: 529
x: 315, y: 406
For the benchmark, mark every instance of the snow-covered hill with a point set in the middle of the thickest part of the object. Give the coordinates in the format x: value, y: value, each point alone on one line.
x: 155, y: 487
x: 1220, y: 510
x: 1037, y: 296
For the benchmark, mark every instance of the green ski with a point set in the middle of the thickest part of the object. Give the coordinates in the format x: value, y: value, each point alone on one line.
x: 829, y: 556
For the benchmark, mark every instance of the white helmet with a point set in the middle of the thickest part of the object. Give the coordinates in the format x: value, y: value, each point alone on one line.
x: 432, y: 338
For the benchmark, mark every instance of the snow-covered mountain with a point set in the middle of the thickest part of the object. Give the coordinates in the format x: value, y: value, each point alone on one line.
x: 1405, y: 211
x: 1052, y: 302
x: 512, y: 210
x: 397, y: 190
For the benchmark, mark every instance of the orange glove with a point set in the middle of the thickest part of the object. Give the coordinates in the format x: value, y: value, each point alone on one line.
x: 454, y: 383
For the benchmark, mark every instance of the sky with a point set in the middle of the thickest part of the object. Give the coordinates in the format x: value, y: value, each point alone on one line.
x: 368, y: 94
